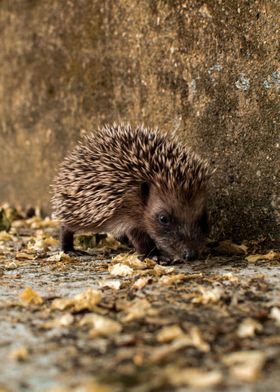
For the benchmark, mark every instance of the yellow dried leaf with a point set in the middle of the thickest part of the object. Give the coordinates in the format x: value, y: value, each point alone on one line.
x: 140, y: 283
x: 43, y: 244
x: 272, y: 255
x: 111, y: 283
x: 169, y: 333
x: 120, y: 270
x: 60, y: 256
x: 20, y: 354
x: 245, y: 365
x: 193, y: 377
x: 63, y: 321
x: 130, y: 260
x: 150, y: 263
x: 25, y: 256
x: 248, y: 328
x: 163, y: 270
x: 230, y: 277
x: 208, y: 295
x: 169, y: 280
x: 109, y: 243
x: 275, y: 314
x: 30, y: 297
x: 88, y: 299
x: 230, y: 248
x: 101, y: 326
x: 193, y: 339
x: 164, y: 350
x: 137, y: 309
x: 198, y: 341
x: 4, y: 236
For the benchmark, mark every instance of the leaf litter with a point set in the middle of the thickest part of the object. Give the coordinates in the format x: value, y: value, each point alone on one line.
x: 112, y: 322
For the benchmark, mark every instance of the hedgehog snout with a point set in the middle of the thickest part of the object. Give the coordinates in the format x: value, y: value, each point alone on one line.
x: 190, y: 254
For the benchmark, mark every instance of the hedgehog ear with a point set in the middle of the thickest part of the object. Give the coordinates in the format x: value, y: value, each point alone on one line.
x: 144, y: 191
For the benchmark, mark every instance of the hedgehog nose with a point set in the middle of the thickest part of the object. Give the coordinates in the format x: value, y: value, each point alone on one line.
x: 190, y: 255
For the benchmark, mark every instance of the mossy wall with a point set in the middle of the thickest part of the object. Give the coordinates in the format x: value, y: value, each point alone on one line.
x: 208, y: 69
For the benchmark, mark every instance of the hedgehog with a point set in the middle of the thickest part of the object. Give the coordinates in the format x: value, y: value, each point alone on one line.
x: 142, y: 186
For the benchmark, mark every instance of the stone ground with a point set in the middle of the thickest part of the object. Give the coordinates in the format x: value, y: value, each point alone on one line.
x: 110, y: 322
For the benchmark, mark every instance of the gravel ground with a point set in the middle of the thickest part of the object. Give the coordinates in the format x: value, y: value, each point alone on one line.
x: 110, y: 322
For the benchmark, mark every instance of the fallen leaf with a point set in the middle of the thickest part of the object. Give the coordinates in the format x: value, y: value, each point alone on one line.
x: 230, y: 277
x: 137, y: 309
x: 111, y: 283
x: 245, y: 365
x: 193, y: 377
x: 44, y: 243
x: 25, y: 256
x: 140, y: 283
x: 4, y: 236
x: 229, y: 248
x: 130, y: 260
x: 163, y: 270
x: 101, y: 326
x: 120, y: 270
x: 30, y: 297
x: 169, y: 333
x: 275, y: 314
x: 169, y: 280
x: 198, y: 341
x: 60, y: 256
x: 88, y: 299
x: 63, y: 321
x: 193, y: 339
x: 248, y: 328
x: 212, y: 295
x: 20, y: 354
x: 272, y: 255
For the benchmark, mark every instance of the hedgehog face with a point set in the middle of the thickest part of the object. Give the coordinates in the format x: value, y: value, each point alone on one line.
x: 178, y: 227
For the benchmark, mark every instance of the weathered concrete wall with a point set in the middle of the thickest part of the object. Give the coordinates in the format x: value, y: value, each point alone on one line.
x: 209, y: 69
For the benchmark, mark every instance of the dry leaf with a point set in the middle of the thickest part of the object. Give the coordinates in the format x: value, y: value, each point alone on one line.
x: 44, y: 243
x: 272, y: 255
x: 197, y: 340
x: 20, y: 354
x: 30, y: 297
x: 4, y: 236
x: 275, y: 314
x: 193, y: 377
x: 169, y: 333
x: 101, y: 326
x: 88, y: 299
x: 229, y: 248
x: 163, y: 270
x: 140, y: 283
x: 245, y: 365
x: 194, y: 339
x: 209, y: 295
x: 120, y: 270
x: 111, y: 283
x: 137, y: 309
x: 108, y: 243
x: 60, y: 256
x: 130, y: 260
x: 169, y: 280
x: 63, y: 321
x: 25, y: 256
x: 248, y: 328
x: 230, y: 277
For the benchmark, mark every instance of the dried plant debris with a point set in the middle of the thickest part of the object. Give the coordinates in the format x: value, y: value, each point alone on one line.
x: 272, y: 255
x: 113, y: 322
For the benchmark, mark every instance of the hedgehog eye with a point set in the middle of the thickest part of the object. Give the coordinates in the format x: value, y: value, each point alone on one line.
x: 164, y: 219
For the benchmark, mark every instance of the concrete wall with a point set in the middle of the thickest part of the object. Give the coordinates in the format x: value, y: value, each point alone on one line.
x: 208, y: 69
